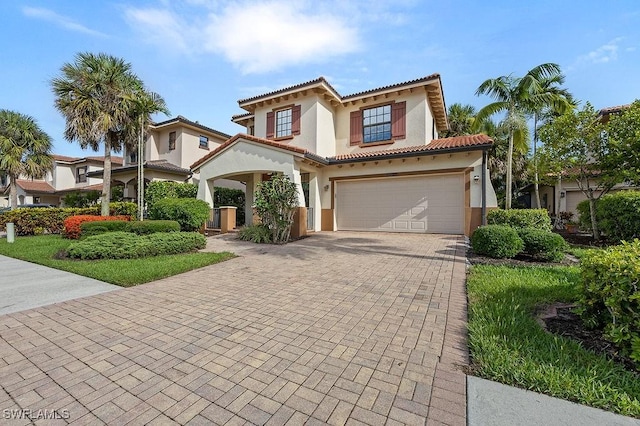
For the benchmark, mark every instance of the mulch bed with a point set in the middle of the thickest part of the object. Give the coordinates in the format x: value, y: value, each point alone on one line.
x: 519, y: 260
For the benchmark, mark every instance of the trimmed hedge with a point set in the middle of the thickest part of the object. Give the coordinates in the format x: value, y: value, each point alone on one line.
x: 71, y: 227
x: 611, y: 296
x: 153, y: 226
x: 520, y: 218
x: 618, y: 215
x: 498, y: 241
x: 543, y: 245
x: 32, y: 221
x: 190, y: 213
x: 158, y: 190
x: 127, y: 245
x: 141, y: 228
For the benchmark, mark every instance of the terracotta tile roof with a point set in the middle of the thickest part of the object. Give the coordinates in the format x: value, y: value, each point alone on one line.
x: 184, y: 120
x: 161, y: 165
x: 35, y: 186
x: 393, y: 86
x: 314, y: 82
x: 66, y: 159
x: 613, y: 109
x: 96, y: 187
x: 436, y: 145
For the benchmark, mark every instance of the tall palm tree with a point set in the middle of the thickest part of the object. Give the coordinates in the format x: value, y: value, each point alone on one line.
x: 97, y: 96
x: 25, y: 149
x: 513, y: 96
x: 461, y: 118
x: 147, y: 103
x: 557, y: 102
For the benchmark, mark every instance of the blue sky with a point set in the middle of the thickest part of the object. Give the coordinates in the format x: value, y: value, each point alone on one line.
x: 204, y: 55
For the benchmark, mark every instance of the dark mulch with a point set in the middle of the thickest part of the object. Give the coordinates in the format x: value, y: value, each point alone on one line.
x: 582, y: 239
x: 519, y: 260
x: 561, y: 320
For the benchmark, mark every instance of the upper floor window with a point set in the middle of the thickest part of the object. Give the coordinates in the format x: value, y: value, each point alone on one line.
x: 81, y: 174
x: 381, y: 123
x: 133, y: 157
x: 376, y: 124
x: 284, y: 123
x: 204, y: 142
x: 172, y: 141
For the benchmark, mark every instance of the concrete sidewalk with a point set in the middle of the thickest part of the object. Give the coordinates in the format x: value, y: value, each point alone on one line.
x: 25, y: 285
x: 491, y: 403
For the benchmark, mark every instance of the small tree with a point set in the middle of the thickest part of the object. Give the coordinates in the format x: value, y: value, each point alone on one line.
x: 576, y: 148
x: 276, y: 202
x: 624, y: 138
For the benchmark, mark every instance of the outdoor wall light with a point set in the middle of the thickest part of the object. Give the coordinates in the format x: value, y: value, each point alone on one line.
x: 476, y: 178
x: 562, y: 194
x: 326, y: 187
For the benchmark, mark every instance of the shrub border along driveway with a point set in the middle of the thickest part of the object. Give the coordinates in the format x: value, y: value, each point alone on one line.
x: 334, y: 327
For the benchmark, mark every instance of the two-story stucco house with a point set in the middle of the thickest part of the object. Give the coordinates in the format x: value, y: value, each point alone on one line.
x: 68, y: 174
x: 370, y: 161
x: 170, y: 149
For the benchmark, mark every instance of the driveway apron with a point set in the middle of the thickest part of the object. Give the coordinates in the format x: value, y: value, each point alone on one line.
x: 364, y: 328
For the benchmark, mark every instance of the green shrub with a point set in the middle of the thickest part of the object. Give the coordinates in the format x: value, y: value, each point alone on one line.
x: 152, y: 226
x: 499, y: 241
x: 520, y: 218
x: 159, y: 190
x: 584, y: 215
x: 255, y: 233
x: 88, y: 229
x: 276, y: 200
x: 610, y: 295
x: 127, y: 245
x: 543, y: 245
x: 231, y: 197
x: 190, y: 213
x: 618, y: 215
x: 29, y: 220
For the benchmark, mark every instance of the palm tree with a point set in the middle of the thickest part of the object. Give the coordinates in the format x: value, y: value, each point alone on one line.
x: 25, y: 149
x: 558, y: 102
x: 97, y: 95
x: 514, y: 96
x: 147, y: 103
x: 461, y: 118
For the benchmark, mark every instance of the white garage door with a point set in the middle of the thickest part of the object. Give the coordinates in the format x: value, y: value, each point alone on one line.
x: 432, y: 204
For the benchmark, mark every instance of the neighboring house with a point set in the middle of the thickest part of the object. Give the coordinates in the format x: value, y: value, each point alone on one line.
x: 565, y: 195
x: 69, y: 174
x: 371, y: 161
x: 170, y: 149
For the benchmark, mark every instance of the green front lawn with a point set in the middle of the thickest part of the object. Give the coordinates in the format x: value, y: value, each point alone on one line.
x: 125, y: 273
x: 508, y: 345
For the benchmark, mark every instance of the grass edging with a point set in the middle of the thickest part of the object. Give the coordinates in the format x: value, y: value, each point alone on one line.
x: 508, y: 345
x: 122, y: 272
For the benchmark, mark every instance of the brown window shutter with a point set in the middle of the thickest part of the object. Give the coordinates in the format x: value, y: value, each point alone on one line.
x: 399, y: 120
x: 355, y: 134
x: 271, y: 125
x: 296, y: 111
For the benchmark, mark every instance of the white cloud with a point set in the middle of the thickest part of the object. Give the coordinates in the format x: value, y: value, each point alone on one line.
x: 255, y: 36
x: 603, y: 54
x: 59, y: 20
x: 161, y: 27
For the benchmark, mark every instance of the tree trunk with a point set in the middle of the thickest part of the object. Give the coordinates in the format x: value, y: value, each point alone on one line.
x: 106, y: 178
x: 13, y: 191
x: 594, y: 222
x: 536, y: 186
x: 508, y: 189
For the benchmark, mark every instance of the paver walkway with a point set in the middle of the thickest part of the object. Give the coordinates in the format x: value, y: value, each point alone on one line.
x: 336, y: 328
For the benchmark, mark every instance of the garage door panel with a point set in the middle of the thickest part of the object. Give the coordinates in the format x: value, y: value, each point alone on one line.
x: 408, y: 204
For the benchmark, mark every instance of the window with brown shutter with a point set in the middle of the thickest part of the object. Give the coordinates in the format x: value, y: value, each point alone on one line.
x: 399, y: 120
x: 296, y: 112
x: 355, y: 136
x: 271, y: 124
x: 172, y: 141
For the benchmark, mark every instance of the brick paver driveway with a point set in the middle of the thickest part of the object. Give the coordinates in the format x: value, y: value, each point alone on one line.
x: 336, y: 328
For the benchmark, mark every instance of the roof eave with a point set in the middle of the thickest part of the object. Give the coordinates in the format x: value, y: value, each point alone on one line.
x: 479, y: 147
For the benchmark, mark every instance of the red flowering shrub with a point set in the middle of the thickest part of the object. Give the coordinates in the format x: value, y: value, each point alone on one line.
x: 72, y: 229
